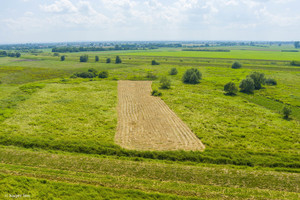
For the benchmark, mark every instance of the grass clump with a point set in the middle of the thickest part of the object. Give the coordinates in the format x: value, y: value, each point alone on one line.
x: 156, y: 93
x: 173, y: 71
x: 165, y: 83
x: 271, y: 81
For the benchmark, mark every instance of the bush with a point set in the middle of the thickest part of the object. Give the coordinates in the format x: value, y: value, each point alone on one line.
x: 84, y: 58
x: 18, y: 55
x: 103, y: 74
x: 295, y: 63
x: 84, y: 75
x: 173, y: 71
x: 230, y: 88
x: 118, y: 60
x: 165, y: 83
x: 258, y: 78
x: 94, y: 71
x: 96, y: 58
x: 56, y: 54
x: 247, y: 85
x: 156, y: 93
x: 236, y: 65
x: 192, y: 76
x: 62, y: 58
x: 153, y: 62
x: 271, y: 81
x: 286, y: 112
x: 151, y: 76
x: 108, y: 60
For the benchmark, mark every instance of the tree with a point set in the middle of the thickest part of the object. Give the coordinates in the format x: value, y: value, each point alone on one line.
x: 165, y: 83
x: 118, y: 60
x: 236, y: 65
x: 84, y: 58
x: 173, y: 71
x: 62, y: 58
x: 230, y: 88
x: 108, y: 60
x: 247, y: 85
x: 297, y: 44
x: 192, y: 76
x: 18, y: 55
x: 103, y: 74
x: 258, y: 78
x: 286, y: 112
x: 96, y: 58
x: 153, y: 62
x: 3, y: 53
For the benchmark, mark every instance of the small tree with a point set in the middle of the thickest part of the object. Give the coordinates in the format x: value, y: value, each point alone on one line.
x: 103, y: 74
x: 62, y: 58
x: 118, y: 60
x: 192, y: 76
x: 173, y: 71
x: 286, y: 112
x: 84, y: 58
x: 258, y: 78
x: 165, y: 83
x: 236, y: 65
x: 153, y: 62
x: 108, y: 60
x: 230, y: 88
x: 247, y: 85
x: 18, y: 55
x: 96, y: 58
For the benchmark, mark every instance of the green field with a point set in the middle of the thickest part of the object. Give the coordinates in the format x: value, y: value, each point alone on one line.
x: 57, y: 133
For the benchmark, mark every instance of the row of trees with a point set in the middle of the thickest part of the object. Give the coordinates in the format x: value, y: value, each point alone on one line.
x: 91, y: 73
x: 4, y: 54
x: 85, y: 58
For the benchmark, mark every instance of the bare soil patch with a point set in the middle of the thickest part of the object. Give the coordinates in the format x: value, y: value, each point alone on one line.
x: 147, y: 123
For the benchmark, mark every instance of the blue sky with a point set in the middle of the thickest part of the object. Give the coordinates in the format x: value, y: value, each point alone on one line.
x: 25, y: 21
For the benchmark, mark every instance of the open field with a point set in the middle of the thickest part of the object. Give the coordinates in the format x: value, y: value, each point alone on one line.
x: 146, y: 122
x: 58, y: 132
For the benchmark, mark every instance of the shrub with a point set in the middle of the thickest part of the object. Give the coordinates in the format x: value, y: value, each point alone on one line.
x: 271, y: 81
x: 56, y: 54
x: 62, y: 58
x: 94, y: 71
x: 150, y: 75
x: 18, y: 55
x: 108, y: 60
x: 118, y: 60
x: 156, y: 93
x: 165, y: 83
x: 236, y: 65
x: 85, y: 75
x: 173, y: 71
x: 153, y: 62
x: 247, y: 85
x: 103, y: 74
x: 192, y: 76
x: 84, y: 58
x: 258, y: 78
x: 96, y: 58
x: 286, y: 112
x: 230, y: 88
x: 295, y: 63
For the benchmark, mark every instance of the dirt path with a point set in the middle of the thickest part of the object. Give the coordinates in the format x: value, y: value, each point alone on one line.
x: 147, y: 123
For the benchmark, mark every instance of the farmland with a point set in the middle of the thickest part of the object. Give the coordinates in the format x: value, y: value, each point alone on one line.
x: 58, y: 133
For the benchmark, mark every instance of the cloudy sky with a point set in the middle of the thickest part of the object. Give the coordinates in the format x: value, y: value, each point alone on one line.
x: 25, y: 21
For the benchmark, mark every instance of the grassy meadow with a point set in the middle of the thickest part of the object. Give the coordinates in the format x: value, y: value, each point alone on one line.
x: 57, y: 132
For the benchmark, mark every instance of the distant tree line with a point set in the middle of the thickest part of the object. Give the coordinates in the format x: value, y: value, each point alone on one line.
x: 4, y: 54
x: 297, y: 44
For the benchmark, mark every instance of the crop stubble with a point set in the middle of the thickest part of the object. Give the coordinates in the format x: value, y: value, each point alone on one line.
x: 147, y: 123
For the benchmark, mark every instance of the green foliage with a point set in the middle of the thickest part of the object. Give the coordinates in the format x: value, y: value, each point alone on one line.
x: 153, y: 62
x: 165, y: 83
x: 247, y: 85
x: 56, y: 54
x: 258, y: 78
x: 271, y: 81
x: 236, y: 65
x: 103, y: 74
x: 83, y: 75
x: 173, y: 71
x: 3, y: 53
x: 286, y: 111
x: 151, y: 75
x: 31, y: 87
x: 84, y: 58
x: 230, y: 88
x: 297, y: 44
x: 155, y: 92
x: 118, y: 60
x: 94, y: 71
x: 96, y: 58
x: 108, y: 60
x: 62, y: 58
x: 192, y: 76
x: 18, y: 54
x: 295, y: 63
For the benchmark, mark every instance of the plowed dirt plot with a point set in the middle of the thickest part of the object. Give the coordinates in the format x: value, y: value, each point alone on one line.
x: 147, y: 123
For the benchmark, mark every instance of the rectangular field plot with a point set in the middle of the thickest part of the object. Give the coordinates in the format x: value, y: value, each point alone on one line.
x: 147, y: 123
